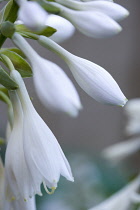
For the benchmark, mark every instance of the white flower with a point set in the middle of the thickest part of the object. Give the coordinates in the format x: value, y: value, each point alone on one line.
x: 64, y: 28
x: 113, y: 10
x: 93, y: 79
x: 93, y: 24
x: 32, y: 15
x: 121, y: 150
x: 55, y: 90
x: 121, y: 200
x: 35, y: 154
x: 53, y: 86
x: 132, y: 112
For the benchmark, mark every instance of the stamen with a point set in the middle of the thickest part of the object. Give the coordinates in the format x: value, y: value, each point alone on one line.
x: 46, y: 189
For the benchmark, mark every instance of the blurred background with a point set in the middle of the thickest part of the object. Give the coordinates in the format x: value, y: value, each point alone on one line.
x: 97, y: 125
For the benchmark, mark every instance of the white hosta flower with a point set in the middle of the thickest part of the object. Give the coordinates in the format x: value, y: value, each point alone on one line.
x: 55, y: 90
x: 32, y: 15
x: 43, y: 155
x: 93, y: 24
x: 132, y: 112
x: 113, y: 10
x: 65, y: 29
x: 122, y: 150
x: 121, y: 200
x: 93, y: 79
x: 15, y: 164
x: 53, y: 86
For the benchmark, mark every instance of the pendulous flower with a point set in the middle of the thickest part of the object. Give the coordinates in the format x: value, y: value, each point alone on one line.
x: 113, y: 10
x: 33, y: 154
x: 94, y: 24
x: 32, y: 15
x: 93, y: 79
x: 65, y: 29
x: 54, y: 88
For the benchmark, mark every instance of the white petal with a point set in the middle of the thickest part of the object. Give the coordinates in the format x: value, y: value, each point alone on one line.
x: 54, y: 88
x: 64, y: 28
x: 113, y: 10
x: 32, y: 15
x: 96, y: 82
x: 93, y: 79
x: 43, y: 154
x: 93, y: 24
x: 17, y: 172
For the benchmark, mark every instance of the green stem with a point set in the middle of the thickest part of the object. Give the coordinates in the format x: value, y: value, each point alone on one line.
x: 12, y: 16
x: 8, y: 62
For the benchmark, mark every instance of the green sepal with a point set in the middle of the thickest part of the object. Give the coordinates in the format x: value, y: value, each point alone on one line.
x: 13, y: 49
x: 24, y: 31
x: 6, y: 80
x: 5, y: 11
x: 20, y: 64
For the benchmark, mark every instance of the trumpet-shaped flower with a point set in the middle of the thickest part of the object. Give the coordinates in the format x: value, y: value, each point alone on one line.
x: 64, y: 28
x: 32, y: 15
x: 132, y: 112
x: 40, y: 157
x: 53, y: 86
x: 93, y: 79
x: 113, y: 10
x: 123, y: 199
x: 93, y: 24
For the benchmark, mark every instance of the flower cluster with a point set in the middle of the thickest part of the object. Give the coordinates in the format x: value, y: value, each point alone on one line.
x: 33, y: 154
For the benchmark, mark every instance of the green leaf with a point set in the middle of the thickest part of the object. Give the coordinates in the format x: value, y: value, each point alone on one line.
x: 6, y: 80
x: 47, y: 31
x: 5, y: 11
x: 20, y: 64
x: 13, y: 49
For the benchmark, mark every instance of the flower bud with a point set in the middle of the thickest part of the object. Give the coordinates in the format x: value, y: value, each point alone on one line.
x: 64, y: 28
x: 93, y: 24
x: 32, y: 15
x: 92, y: 78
